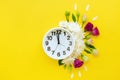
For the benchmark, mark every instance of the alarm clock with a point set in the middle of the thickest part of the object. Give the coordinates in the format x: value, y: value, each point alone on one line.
x: 58, y: 43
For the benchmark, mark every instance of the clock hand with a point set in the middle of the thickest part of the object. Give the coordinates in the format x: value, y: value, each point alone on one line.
x: 62, y: 45
x: 58, y: 39
x: 55, y: 49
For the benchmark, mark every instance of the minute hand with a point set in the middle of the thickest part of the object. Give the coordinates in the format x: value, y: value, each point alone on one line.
x: 58, y: 38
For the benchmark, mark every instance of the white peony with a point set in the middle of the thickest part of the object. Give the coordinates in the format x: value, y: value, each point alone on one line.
x: 69, y: 60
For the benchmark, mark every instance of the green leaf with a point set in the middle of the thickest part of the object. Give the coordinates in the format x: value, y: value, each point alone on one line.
x: 89, y: 45
x: 67, y: 14
x: 78, y: 15
x: 87, y: 51
x: 73, y: 18
x: 60, y: 62
x: 84, y: 57
x: 88, y: 36
x: 70, y: 68
x: 84, y: 18
x: 65, y: 66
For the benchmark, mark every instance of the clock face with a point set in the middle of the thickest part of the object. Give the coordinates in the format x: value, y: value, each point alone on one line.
x: 58, y: 43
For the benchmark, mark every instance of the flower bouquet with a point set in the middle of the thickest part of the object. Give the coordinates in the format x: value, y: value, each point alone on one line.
x: 82, y: 33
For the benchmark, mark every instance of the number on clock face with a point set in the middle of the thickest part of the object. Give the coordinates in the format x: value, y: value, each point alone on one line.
x: 64, y: 52
x: 58, y: 43
x: 49, y: 37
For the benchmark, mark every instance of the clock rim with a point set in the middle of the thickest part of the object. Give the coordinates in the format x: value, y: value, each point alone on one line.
x: 48, y: 33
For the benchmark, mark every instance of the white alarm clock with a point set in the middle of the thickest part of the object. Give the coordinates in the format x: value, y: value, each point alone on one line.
x: 58, y: 43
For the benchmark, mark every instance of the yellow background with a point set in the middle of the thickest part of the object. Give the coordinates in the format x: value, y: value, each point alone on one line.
x: 23, y: 24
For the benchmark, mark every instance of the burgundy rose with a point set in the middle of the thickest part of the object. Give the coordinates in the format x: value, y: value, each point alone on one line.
x: 95, y: 32
x: 78, y: 63
x: 89, y: 26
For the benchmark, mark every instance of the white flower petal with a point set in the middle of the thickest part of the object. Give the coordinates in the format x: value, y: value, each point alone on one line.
x: 68, y: 60
x: 95, y: 18
x: 87, y: 7
x: 75, y: 6
x: 72, y: 76
x: 79, y: 74
x: 63, y: 24
x: 85, y: 68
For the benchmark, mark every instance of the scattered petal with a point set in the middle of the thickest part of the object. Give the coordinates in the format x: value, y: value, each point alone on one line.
x: 95, y: 31
x: 89, y: 26
x: 75, y: 6
x: 85, y: 68
x: 72, y: 76
x: 95, y: 18
x: 79, y: 74
x: 87, y: 7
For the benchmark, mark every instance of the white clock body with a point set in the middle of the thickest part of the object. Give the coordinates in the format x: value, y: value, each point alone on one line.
x: 58, y: 43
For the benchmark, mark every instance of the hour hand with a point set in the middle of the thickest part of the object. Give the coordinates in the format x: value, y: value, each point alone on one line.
x: 54, y: 50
